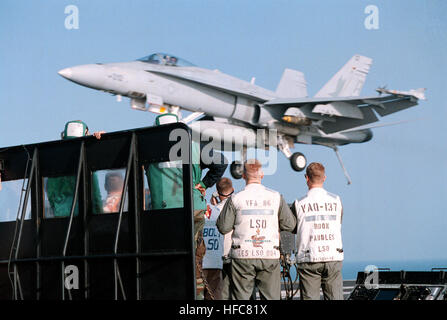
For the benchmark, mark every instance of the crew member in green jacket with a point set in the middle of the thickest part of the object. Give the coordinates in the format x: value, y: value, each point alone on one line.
x: 60, y: 190
x: 166, y: 187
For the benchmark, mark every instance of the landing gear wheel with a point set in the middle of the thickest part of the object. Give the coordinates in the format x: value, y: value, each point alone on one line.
x: 298, y: 161
x: 236, y: 170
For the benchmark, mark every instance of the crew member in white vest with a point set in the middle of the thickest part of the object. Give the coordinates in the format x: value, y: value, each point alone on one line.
x: 213, y: 262
x: 319, y: 242
x: 224, y: 189
x: 255, y: 215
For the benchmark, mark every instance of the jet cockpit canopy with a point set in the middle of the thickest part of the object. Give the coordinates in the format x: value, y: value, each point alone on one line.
x: 165, y: 59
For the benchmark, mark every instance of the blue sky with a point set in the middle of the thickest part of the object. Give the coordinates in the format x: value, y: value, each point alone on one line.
x: 394, y: 210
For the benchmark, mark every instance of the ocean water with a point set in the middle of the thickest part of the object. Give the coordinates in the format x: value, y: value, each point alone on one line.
x: 351, y: 268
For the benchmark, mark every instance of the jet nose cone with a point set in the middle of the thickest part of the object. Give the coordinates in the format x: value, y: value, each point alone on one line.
x: 89, y: 75
x: 66, y: 73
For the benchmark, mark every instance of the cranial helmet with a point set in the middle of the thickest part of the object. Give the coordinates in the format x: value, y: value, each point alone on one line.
x: 74, y: 129
x: 166, y: 118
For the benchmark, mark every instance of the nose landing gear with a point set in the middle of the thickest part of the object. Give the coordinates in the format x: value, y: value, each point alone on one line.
x: 236, y: 169
x: 297, y: 160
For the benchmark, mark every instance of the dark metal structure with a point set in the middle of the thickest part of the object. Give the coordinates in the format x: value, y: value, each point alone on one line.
x: 134, y: 254
x: 401, y: 285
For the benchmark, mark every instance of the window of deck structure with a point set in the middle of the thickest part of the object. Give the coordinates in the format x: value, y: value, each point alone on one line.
x: 107, y: 190
x: 163, y: 185
x: 59, y: 193
x: 10, y: 194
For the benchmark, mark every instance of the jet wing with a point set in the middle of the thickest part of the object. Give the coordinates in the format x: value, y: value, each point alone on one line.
x: 342, y: 113
x: 216, y: 80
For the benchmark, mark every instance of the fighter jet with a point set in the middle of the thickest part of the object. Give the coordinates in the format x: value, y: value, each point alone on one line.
x: 236, y: 109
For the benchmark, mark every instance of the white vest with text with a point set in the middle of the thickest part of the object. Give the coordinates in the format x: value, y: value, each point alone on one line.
x: 319, y: 227
x: 213, y: 241
x: 256, y: 228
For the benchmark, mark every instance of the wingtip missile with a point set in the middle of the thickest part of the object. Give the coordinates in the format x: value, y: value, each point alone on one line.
x: 417, y: 93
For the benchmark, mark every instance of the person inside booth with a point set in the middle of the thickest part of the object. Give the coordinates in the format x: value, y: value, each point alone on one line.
x: 113, y: 184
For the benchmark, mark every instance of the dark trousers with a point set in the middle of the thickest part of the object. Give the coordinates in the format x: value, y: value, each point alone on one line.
x: 227, y: 285
x: 213, y: 286
x: 199, y: 246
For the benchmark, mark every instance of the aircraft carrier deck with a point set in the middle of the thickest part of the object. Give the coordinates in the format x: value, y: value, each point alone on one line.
x: 390, y: 285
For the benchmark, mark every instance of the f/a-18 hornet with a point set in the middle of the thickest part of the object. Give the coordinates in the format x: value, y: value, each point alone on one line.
x: 236, y: 109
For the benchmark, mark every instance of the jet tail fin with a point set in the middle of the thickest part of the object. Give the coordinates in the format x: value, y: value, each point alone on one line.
x: 349, y: 80
x: 292, y: 85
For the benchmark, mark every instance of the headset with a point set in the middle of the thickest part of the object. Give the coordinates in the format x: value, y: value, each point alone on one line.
x: 216, y: 195
x: 166, y: 118
x: 74, y: 129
